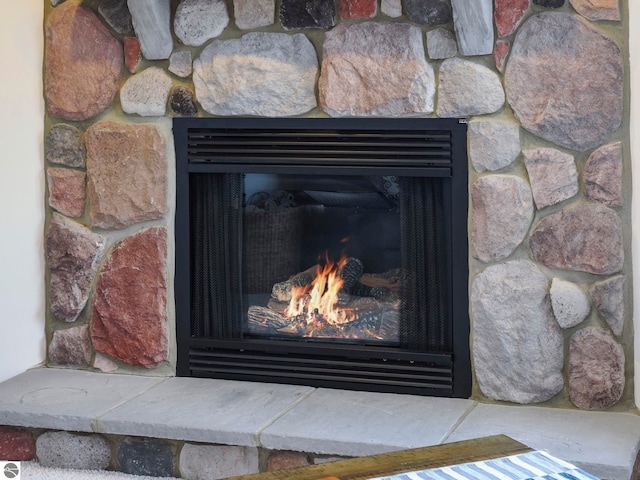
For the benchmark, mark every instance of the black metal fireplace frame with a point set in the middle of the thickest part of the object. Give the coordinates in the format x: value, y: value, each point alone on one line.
x: 358, y: 367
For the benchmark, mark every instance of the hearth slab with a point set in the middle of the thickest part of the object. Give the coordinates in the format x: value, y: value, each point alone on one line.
x: 340, y: 422
x: 66, y: 399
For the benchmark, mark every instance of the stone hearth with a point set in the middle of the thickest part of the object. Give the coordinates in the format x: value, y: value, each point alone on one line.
x: 541, y: 83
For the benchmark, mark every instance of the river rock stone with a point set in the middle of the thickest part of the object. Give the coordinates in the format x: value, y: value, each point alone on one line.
x: 129, y: 320
x: 501, y: 214
x: 152, y: 24
x: 307, y: 14
x: 71, y: 347
x: 254, y: 13
x: 285, y: 459
x: 429, y: 12
x: 183, y: 102
x: 278, y: 71
x: 66, y: 191
x: 181, y: 63
x: 354, y: 9
x: 587, y: 238
x: 508, y: 14
x: 553, y: 175
x: 132, y: 53
x: 83, y: 63
x: 104, y: 364
x: 391, y: 8
x: 608, y: 299
x: 73, y: 252
x: 597, y: 9
x: 146, y: 457
x: 549, y: 3
x: 467, y: 88
x: 146, y: 93
x: 602, y: 175
x: 127, y: 174
x: 71, y: 450
x: 493, y: 144
x: 64, y: 145
x: 441, y: 43
x: 517, y: 344
x: 117, y: 15
x: 16, y: 444
x: 567, y: 89
x: 569, y: 302
x: 500, y: 53
x: 375, y: 69
x: 217, y: 461
x: 197, y: 21
x: 473, y: 22
x: 596, y: 369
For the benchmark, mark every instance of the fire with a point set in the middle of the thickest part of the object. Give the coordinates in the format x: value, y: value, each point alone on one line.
x: 319, y: 300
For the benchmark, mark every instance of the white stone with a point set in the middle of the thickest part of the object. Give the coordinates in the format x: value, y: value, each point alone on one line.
x: 493, y: 144
x: 473, y: 22
x: 517, y: 344
x: 146, y: 93
x: 68, y: 450
x: 104, y: 363
x: 569, y: 302
x: 468, y: 88
x: 254, y: 13
x: 266, y: 74
x: 152, y: 24
x: 197, y: 21
x: 441, y: 43
x: 181, y: 63
x: 217, y: 461
x: 391, y: 8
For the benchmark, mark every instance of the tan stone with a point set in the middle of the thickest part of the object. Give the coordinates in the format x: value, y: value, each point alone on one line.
x: 67, y: 190
x: 127, y: 174
x: 83, y: 63
x: 283, y: 460
x: 597, y: 9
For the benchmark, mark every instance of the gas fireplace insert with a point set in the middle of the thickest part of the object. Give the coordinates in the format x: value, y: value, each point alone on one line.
x: 323, y: 252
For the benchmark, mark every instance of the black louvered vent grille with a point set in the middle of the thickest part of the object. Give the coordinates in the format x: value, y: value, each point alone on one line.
x: 346, y: 147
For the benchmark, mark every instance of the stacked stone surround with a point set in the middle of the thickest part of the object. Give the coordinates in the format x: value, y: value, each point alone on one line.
x: 542, y: 84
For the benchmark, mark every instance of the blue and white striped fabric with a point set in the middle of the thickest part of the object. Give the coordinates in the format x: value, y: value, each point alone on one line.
x: 526, y: 466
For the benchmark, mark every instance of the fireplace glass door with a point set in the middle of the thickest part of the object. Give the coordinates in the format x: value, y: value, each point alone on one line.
x: 323, y: 252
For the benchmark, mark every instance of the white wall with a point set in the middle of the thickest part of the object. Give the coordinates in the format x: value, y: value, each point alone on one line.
x: 21, y: 187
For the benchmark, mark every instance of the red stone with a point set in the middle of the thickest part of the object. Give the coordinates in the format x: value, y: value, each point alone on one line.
x: 508, y: 14
x: 67, y: 190
x: 129, y: 320
x: 132, y: 53
x: 500, y: 53
x: 16, y: 444
x: 351, y: 9
x: 286, y: 459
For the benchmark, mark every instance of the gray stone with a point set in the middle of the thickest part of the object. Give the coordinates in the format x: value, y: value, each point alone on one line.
x: 567, y: 89
x: 217, y: 461
x: 597, y: 9
x: 569, y: 302
x: 493, y: 144
x: 587, y: 238
x: 549, y: 3
x: 146, y: 93
x: 428, y: 12
x: 278, y: 71
x: 608, y: 299
x: 181, y: 63
x: 501, y: 214
x: 441, y: 43
x: 152, y: 24
x: 553, y: 175
x: 182, y: 102
x: 73, y: 252
x: 517, y: 344
x: 69, y: 450
x: 254, y: 13
x: 307, y: 14
x: 127, y: 173
x: 71, y: 347
x: 467, y: 88
x: 602, y: 175
x: 391, y: 8
x: 197, y: 21
x: 116, y: 14
x: 64, y: 145
x: 148, y: 457
x: 375, y: 69
x: 596, y: 369
x: 473, y: 22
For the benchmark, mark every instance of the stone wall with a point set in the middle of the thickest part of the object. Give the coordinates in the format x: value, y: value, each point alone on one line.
x: 541, y: 82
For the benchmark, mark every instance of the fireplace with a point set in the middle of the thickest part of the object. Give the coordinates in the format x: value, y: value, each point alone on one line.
x: 324, y: 252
